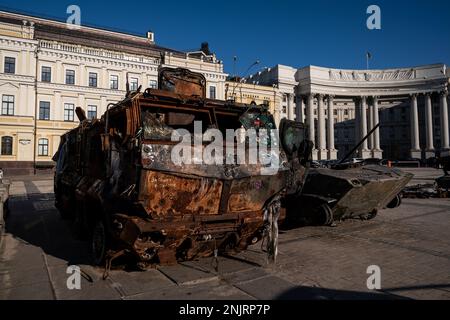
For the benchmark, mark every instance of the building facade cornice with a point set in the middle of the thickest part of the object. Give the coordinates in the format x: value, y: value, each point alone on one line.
x: 105, y: 57
x: 80, y: 89
x: 16, y: 77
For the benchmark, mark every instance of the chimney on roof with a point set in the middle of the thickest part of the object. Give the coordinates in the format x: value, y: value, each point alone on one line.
x: 151, y: 36
x: 205, y: 48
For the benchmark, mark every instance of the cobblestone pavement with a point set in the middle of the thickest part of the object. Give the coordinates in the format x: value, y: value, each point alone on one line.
x: 410, y: 244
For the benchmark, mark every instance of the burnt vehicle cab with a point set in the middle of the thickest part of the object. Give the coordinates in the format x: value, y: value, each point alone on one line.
x: 138, y: 181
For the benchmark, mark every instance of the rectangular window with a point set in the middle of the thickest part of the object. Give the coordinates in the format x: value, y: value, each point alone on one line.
x: 92, y: 79
x: 68, y: 112
x: 44, y: 110
x: 46, y: 74
x: 92, y: 112
x: 134, y: 84
x: 43, y: 147
x: 70, y: 77
x: 212, y: 92
x: 10, y: 65
x: 114, y: 82
x: 153, y: 84
x: 7, y: 146
x: 7, y: 105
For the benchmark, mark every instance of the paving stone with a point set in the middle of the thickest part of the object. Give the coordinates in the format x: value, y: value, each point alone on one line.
x: 266, y: 288
x: 96, y: 289
x: 37, y: 291
x: 213, y: 290
x: 133, y: 283
x: 187, y: 275
x: 18, y: 278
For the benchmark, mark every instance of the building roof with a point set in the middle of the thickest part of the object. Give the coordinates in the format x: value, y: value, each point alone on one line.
x: 45, y: 29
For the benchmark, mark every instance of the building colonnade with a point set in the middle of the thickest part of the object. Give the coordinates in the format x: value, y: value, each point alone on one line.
x: 367, y: 116
x: 416, y: 151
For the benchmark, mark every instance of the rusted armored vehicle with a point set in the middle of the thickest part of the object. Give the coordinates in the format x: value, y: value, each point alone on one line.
x: 130, y: 187
x: 346, y: 190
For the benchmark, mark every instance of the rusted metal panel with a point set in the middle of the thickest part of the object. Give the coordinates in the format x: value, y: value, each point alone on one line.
x: 168, y: 195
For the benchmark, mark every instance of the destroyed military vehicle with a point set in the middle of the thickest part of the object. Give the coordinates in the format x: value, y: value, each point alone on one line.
x: 117, y: 182
x: 346, y: 190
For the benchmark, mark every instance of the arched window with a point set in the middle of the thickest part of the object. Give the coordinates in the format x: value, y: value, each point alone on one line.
x: 7, y: 146
x: 43, y: 147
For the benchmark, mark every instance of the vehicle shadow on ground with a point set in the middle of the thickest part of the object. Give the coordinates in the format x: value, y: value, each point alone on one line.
x: 34, y: 220
x: 315, y: 293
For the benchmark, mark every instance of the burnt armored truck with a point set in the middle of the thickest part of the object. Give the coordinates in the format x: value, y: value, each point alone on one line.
x: 120, y: 181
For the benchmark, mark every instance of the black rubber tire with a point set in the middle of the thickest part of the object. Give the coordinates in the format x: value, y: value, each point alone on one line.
x: 99, y: 243
x: 395, y: 203
x: 324, y: 215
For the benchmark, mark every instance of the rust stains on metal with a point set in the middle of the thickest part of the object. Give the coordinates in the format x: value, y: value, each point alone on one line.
x: 117, y: 184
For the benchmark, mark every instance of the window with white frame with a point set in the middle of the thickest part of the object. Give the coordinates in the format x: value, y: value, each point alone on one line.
x: 153, y: 84
x: 10, y: 65
x: 93, y: 79
x: 92, y: 112
x: 43, y: 147
x: 44, y: 110
x: 69, y: 112
x: 7, y: 105
x: 134, y: 83
x: 46, y: 74
x: 70, y: 76
x: 212, y: 92
x: 114, y: 82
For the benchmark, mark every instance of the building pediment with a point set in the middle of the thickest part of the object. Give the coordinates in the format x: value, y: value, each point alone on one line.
x: 8, y: 85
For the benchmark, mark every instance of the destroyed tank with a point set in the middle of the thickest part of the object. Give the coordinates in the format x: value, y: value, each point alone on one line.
x: 346, y: 190
x: 118, y: 184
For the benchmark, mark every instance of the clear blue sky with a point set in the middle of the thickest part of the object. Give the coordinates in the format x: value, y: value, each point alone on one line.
x: 297, y: 33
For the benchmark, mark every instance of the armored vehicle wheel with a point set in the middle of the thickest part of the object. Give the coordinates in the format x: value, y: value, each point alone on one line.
x: 395, y: 203
x: 324, y: 215
x: 99, y: 243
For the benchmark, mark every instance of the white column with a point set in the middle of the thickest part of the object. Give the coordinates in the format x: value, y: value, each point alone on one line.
x: 21, y: 104
x: 81, y: 104
x: 444, y: 121
x: 363, y: 127
x: 300, y: 107
x: 377, y: 152
x: 357, y: 117
x: 57, y: 108
x: 103, y: 105
x: 81, y: 76
x: 123, y: 80
x: 310, y: 123
x: 429, y: 152
x: 23, y: 66
x: 323, y: 154
x: 290, y: 106
x: 370, y: 141
x: 332, y: 152
x: 415, y: 141
x: 58, y: 74
x: 104, y: 83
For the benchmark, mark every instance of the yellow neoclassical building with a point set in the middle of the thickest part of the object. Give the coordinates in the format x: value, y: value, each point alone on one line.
x: 249, y: 93
x: 48, y: 69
